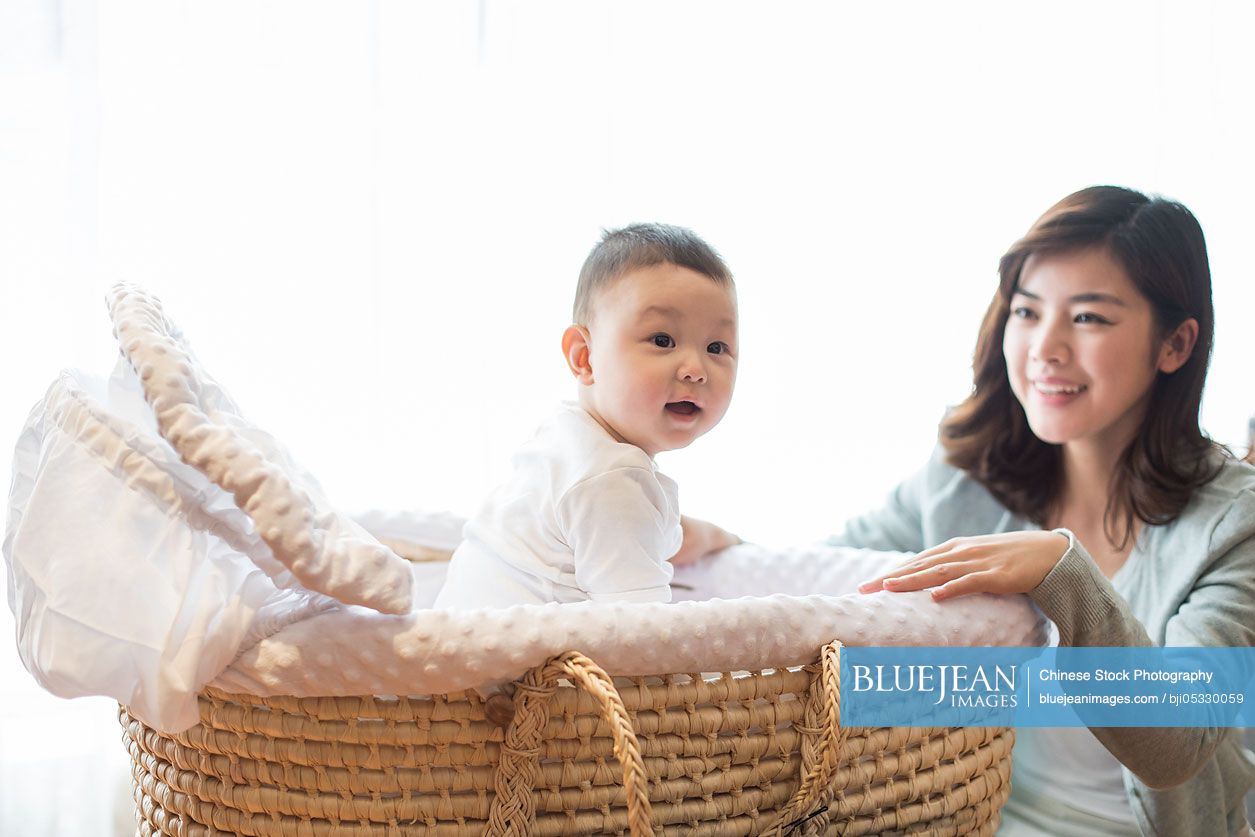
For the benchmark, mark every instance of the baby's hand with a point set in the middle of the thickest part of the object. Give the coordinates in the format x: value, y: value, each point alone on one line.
x: 1014, y: 562
x: 701, y: 539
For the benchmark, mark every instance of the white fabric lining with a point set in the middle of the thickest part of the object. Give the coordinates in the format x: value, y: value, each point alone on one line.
x: 726, y: 624
x: 324, y: 550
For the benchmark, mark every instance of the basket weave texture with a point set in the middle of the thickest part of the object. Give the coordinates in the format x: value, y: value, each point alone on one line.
x: 574, y: 753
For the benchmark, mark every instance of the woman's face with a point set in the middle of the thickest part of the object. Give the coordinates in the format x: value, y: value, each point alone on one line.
x: 1081, y: 349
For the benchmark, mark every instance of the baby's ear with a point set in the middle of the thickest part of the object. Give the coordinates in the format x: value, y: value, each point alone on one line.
x: 575, y: 348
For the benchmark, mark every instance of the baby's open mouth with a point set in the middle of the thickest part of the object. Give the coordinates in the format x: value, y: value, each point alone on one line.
x: 684, y: 408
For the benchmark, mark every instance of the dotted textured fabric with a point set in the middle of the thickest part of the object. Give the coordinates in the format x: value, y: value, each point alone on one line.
x: 734, y: 753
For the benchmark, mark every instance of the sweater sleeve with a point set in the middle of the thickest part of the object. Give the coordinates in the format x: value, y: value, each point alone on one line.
x: 622, y: 534
x: 1088, y: 611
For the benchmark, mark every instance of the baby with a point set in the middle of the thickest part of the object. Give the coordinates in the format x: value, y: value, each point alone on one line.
x: 586, y: 514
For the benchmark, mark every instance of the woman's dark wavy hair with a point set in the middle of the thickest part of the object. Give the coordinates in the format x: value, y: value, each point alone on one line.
x: 1160, y: 246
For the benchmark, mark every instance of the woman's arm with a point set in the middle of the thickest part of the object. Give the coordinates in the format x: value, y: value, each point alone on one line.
x: 1074, y: 594
x: 1216, y: 613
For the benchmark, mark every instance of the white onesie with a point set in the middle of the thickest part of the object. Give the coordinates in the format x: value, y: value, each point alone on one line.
x: 583, y: 517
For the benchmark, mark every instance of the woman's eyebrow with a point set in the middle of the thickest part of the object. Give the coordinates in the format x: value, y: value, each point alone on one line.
x: 1089, y: 296
x: 1095, y: 296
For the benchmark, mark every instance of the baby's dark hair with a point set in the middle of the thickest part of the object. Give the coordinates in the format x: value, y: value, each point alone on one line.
x: 643, y: 245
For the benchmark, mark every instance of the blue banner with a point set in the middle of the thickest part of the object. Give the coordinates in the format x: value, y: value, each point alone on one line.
x: 1047, y: 687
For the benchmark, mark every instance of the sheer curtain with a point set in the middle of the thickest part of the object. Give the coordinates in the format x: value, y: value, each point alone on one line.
x: 368, y: 219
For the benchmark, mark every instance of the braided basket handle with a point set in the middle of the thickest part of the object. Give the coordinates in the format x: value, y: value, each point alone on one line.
x: 513, y: 810
x: 823, y: 738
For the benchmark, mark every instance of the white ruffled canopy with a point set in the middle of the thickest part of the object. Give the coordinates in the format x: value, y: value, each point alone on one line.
x: 157, y: 542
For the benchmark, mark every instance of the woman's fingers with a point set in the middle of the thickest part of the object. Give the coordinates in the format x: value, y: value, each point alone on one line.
x: 940, y: 549
x: 928, y: 558
x: 929, y: 577
x: 984, y: 581
x: 918, y: 577
x: 878, y: 583
x: 1013, y: 562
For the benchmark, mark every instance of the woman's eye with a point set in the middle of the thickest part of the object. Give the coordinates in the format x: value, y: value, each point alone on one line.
x: 1092, y: 318
x: 1022, y: 312
x: 663, y: 341
x: 717, y: 348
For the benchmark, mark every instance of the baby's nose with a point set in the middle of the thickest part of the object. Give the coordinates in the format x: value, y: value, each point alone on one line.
x: 692, y: 370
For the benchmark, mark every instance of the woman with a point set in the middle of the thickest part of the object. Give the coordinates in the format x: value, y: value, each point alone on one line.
x: 1079, y: 449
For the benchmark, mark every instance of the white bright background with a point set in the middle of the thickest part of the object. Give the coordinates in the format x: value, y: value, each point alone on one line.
x: 368, y: 219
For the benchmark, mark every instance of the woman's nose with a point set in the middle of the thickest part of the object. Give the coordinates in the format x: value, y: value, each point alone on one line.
x: 1049, y: 344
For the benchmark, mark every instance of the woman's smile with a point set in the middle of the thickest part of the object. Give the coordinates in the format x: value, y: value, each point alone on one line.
x: 1056, y: 393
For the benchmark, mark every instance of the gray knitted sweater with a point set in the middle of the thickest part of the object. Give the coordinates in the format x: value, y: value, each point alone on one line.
x: 1188, y: 583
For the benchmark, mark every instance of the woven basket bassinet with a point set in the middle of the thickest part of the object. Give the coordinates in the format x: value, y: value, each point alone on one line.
x: 575, y: 753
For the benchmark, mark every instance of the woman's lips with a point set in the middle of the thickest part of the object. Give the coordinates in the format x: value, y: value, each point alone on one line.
x: 1058, y: 393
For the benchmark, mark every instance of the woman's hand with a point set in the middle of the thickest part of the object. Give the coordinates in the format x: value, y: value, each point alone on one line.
x: 701, y: 539
x: 1014, y: 562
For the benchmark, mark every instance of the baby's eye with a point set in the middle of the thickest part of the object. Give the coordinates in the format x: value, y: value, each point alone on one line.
x: 663, y: 341
x: 1087, y: 317
x: 717, y: 348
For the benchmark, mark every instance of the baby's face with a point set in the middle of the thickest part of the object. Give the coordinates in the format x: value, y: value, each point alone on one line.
x: 663, y: 352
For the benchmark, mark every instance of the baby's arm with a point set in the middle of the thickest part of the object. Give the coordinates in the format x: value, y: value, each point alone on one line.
x: 620, y: 528
x: 701, y: 538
